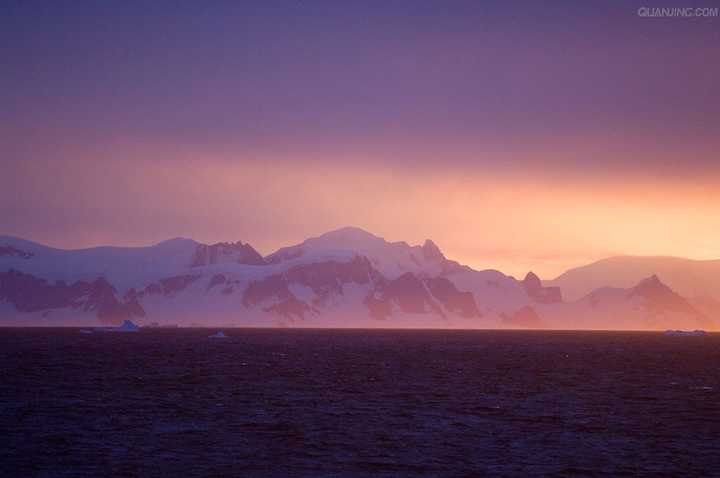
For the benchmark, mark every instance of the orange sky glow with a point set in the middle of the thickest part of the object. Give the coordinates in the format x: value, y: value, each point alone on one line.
x: 506, y: 220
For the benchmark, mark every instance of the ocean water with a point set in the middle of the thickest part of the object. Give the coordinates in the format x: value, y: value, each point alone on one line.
x: 359, y: 403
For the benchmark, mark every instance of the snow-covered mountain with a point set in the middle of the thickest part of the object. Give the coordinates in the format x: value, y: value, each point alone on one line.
x: 344, y: 278
x: 392, y: 259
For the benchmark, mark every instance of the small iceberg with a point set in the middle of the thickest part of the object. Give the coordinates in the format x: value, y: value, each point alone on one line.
x: 685, y: 333
x: 127, y: 326
x: 218, y: 335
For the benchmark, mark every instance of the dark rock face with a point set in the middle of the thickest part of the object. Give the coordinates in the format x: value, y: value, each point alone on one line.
x: 540, y: 294
x: 226, y: 252
x: 217, y: 279
x: 131, y: 302
x: 274, y: 286
x: 102, y: 300
x: 532, y: 283
x: 12, y: 251
x: 432, y: 252
x: 291, y: 308
x: 177, y: 283
x: 31, y: 294
x: 525, y: 317
x: 326, y: 280
x: 453, y: 299
x: 328, y: 274
x: 407, y: 291
x: 169, y: 285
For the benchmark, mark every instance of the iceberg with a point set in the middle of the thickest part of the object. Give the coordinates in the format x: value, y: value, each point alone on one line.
x: 685, y: 333
x: 218, y: 335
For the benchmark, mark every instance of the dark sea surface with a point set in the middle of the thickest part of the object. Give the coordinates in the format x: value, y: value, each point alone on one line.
x: 297, y: 403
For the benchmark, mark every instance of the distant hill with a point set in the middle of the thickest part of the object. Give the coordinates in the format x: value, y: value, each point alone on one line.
x: 649, y: 304
x: 693, y: 279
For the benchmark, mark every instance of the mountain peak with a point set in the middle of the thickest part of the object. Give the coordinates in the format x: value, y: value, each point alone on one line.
x: 651, y: 282
x: 652, y: 288
x: 534, y: 288
x: 224, y: 252
x: 660, y: 299
x: 431, y: 251
x: 531, y: 279
x: 653, y: 279
x: 350, y: 233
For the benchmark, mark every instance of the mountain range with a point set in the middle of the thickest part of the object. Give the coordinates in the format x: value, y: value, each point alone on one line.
x: 698, y: 280
x: 344, y: 278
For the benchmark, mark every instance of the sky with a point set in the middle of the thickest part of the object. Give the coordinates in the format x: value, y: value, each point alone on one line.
x: 517, y: 135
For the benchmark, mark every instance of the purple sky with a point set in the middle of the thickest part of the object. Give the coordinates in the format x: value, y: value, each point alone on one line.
x: 102, y: 102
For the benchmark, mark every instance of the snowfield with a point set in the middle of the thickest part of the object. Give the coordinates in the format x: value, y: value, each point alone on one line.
x: 345, y: 278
